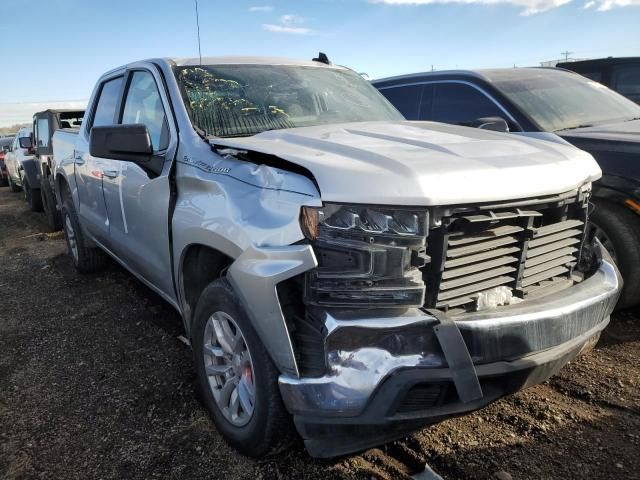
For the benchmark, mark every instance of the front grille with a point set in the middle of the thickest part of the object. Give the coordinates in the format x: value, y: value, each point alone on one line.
x: 525, y: 250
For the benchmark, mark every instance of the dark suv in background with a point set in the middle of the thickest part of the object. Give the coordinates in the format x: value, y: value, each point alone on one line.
x: 548, y: 101
x: 619, y: 74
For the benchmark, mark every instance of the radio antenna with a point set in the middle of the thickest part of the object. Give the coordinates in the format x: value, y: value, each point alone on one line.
x: 198, y: 25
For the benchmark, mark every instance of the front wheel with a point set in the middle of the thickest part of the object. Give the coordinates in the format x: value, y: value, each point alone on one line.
x: 237, y: 380
x: 618, y: 229
x: 32, y: 197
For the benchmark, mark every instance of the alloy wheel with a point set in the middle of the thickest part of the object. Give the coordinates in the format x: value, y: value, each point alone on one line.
x: 229, y: 368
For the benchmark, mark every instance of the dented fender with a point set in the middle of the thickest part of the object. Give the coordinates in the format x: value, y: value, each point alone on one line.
x: 249, y: 212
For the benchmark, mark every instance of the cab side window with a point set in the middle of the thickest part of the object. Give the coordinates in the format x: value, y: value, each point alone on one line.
x: 626, y: 81
x: 107, y: 102
x: 406, y: 99
x: 595, y: 76
x: 461, y: 104
x: 143, y: 105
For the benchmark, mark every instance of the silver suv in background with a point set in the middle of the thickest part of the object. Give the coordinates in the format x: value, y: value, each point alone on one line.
x: 22, y: 169
x: 5, y: 146
x: 339, y: 270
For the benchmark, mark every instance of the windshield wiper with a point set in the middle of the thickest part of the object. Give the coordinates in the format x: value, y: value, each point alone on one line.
x: 586, y: 125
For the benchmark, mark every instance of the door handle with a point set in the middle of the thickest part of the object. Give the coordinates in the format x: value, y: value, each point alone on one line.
x: 77, y: 158
x: 110, y: 173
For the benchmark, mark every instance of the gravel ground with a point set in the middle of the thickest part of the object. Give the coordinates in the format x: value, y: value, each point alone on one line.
x: 94, y: 383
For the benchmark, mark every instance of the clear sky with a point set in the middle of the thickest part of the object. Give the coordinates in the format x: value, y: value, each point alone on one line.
x: 54, y: 50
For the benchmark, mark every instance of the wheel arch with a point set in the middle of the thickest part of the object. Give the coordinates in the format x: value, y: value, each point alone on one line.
x: 199, y: 265
x: 624, y: 192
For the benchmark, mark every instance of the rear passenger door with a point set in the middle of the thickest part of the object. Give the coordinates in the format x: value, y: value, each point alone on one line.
x: 137, y: 200
x: 90, y: 170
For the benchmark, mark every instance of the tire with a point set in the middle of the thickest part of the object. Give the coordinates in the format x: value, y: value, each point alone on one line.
x: 4, y: 182
x: 54, y: 219
x: 85, y: 259
x: 269, y: 427
x: 14, y: 188
x: 619, y: 231
x: 32, y: 197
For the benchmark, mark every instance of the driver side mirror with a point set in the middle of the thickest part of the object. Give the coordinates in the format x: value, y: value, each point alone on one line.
x: 25, y: 142
x: 495, y: 124
x: 128, y: 143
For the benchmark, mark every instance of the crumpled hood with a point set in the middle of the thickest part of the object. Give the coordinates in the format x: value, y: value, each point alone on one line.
x: 424, y: 163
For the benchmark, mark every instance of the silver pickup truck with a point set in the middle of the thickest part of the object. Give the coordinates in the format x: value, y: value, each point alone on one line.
x: 339, y: 269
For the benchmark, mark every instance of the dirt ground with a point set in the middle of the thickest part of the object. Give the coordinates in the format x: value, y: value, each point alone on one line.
x: 94, y: 383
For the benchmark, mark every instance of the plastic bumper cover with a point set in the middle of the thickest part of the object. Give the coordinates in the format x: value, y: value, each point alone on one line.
x: 375, y: 363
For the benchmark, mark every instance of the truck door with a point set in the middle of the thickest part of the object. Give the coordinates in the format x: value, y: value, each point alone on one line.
x: 89, y: 170
x: 138, y: 201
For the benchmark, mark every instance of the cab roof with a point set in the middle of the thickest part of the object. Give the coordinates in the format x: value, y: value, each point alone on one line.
x: 486, y: 74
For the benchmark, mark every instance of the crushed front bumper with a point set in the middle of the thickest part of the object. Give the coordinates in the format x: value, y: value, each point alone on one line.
x: 394, y: 371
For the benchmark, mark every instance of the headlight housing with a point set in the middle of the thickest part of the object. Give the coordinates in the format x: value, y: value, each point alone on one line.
x: 367, y: 256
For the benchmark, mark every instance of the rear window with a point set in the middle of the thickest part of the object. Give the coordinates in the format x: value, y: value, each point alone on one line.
x: 71, y: 119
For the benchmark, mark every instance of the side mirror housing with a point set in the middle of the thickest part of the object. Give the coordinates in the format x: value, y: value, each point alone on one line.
x: 128, y: 143
x: 25, y: 142
x: 495, y: 124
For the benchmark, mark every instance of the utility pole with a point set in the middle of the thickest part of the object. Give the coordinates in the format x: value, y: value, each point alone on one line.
x: 566, y: 55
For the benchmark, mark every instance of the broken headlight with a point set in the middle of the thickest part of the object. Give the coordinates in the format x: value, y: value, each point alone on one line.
x: 367, y: 256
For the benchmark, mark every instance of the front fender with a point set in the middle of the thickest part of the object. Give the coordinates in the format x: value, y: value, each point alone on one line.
x: 254, y: 276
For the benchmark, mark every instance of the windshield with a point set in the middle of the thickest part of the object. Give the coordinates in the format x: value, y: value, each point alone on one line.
x: 243, y: 100
x: 558, y: 100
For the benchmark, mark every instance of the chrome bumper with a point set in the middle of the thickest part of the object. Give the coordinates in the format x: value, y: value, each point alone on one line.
x: 365, y: 351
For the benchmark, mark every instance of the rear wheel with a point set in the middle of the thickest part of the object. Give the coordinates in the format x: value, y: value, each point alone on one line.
x: 85, y: 259
x: 236, y: 377
x: 618, y: 229
x: 54, y: 219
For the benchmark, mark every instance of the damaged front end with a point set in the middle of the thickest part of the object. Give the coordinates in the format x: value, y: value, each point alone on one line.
x: 416, y: 315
